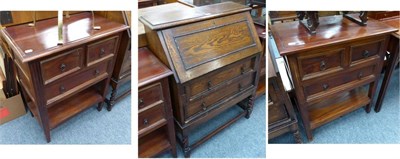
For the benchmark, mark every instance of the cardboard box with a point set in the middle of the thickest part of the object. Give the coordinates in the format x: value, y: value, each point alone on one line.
x: 10, y: 108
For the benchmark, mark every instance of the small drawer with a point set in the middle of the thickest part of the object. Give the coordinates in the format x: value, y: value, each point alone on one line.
x: 101, y: 50
x: 225, y: 91
x: 365, y: 51
x: 59, y: 90
x: 212, y: 80
x: 340, y: 79
x: 151, y: 116
x: 150, y: 95
x: 61, y: 65
x: 316, y: 64
x: 386, y: 14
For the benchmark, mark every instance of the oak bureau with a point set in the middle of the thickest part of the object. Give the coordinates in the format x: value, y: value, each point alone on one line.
x: 335, y: 71
x: 60, y: 81
x: 214, y: 54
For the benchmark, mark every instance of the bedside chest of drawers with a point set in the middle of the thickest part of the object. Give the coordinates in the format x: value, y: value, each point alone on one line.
x: 214, y: 53
x: 60, y: 81
x: 156, y: 123
x: 330, y: 70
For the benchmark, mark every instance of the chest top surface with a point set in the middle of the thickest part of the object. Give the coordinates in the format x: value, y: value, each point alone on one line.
x: 291, y: 37
x: 150, y: 68
x: 42, y: 39
x: 394, y: 22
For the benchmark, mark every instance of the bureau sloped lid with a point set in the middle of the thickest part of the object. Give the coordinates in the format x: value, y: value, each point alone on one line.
x: 199, y: 48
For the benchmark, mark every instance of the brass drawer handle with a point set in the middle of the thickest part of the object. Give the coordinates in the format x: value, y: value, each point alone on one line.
x: 145, y: 122
x: 62, y: 89
x: 242, y: 70
x: 360, y: 75
x: 209, y: 85
x: 365, y: 53
x: 325, y: 86
x: 102, y: 51
x: 141, y: 101
x: 96, y: 72
x: 203, y: 105
x: 62, y: 67
x: 322, y: 66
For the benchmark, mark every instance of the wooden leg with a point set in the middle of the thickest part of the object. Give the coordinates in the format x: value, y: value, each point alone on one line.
x: 297, y: 137
x: 249, y: 108
x: 372, y: 88
x: 100, y: 106
x: 186, y: 147
x: 47, y: 134
x: 112, y: 100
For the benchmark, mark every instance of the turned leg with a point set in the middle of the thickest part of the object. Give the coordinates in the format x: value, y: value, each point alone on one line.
x: 249, y: 108
x: 112, y: 99
x: 100, y: 106
x: 186, y: 148
x: 297, y: 137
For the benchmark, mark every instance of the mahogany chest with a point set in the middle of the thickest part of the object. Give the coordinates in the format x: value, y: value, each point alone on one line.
x: 214, y: 53
x: 335, y: 71
x: 60, y: 81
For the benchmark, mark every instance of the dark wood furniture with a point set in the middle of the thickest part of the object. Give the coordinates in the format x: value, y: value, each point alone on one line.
x: 392, y: 19
x: 122, y: 70
x: 59, y: 81
x: 214, y: 52
x: 281, y: 116
x: 330, y: 70
x: 156, y: 125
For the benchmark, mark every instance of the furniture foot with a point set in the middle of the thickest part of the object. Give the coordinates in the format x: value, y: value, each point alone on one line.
x: 186, y: 148
x: 31, y: 113
x: 112, y: 100
x: 249, y: 108
x: 48, y: 138
x: 100, y: 106
x: 310, y: 136
x: 297, y: 137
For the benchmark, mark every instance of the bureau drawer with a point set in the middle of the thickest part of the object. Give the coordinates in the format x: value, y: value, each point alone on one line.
x: 101, y: 50
x: 212, y: 80
x: 152, y: 116
x: 315, y: 64
x: 58, y: 90
x: 229, y: 89
x: 61, y: 65
x: 336, y: 81
x: 150, y: 95
x: 361, y: 52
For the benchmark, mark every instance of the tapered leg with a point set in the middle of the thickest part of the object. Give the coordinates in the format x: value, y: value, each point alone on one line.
x: 47, y: 134
x: 297, y: 137
x: 372, y: 88
x: 249, y: 108
x: 100, y: 106
x: 112, y: 100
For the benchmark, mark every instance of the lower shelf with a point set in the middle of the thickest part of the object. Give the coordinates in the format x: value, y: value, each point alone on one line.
x: 70, y: 107
x: 330, y: 109
x: 154, y: 143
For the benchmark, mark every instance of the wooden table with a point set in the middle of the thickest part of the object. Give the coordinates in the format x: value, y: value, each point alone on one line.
x: 393, y: 48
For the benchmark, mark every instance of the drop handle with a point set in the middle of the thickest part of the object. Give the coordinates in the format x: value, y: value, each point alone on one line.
x: 145, y: 122
x: 102, y: 51
x: 62, y: 67
x: 240, y: 87
x: 141, y: 101
x: 322, y: 65
x: 365, y: 53
x: 325, y: 86
x: 360, y: 75
x: 96, y: 72
x: 242, y: 70
x: 62, y: 89
x: 209, y: 85
x: 203, y: 105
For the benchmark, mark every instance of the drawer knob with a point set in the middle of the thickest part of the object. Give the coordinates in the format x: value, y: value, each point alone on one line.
x: 360, y: 75
x: 209, y: 85
x: 203, y: 105
x: 242, y: 70
x: 62, y: 89
x: 325, y: 86
x: 96, y: 72
x: 322, y: 66
x: 145, y: 122
x: 102, y: 51
x: 141, y: 101
x: 365, y: 53
x: 240, y: 87
x: 62, y: 67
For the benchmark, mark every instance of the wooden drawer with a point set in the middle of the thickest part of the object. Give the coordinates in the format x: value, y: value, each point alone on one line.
x: 150, y: 95
x: 313, y: 64
x: 61, y: 65
x: 69, y: 85
x: 210, y: 81
x: 152, y: 116
x: 101, y: 50
x: 325, y: 86
x: 363, y: 51
x: 385, y: 14
x: 224, y: 91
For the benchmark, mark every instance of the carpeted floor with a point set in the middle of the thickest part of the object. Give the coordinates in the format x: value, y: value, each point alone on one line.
x: 88, y: 127
x: 359, y: 127
x: 243, y: 139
